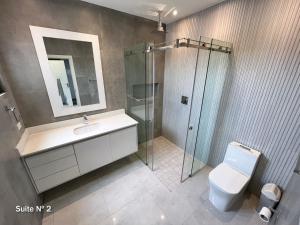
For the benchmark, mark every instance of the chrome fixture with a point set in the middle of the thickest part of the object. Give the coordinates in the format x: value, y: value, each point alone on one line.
x: 85, y: 119
x: 189, y: 43
x: 160, y: 27
x: 12, y: 110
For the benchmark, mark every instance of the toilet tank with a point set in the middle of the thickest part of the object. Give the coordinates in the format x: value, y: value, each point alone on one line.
x: 241, y: 158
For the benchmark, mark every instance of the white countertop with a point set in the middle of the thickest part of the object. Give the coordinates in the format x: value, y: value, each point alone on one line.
x: 40, y: 138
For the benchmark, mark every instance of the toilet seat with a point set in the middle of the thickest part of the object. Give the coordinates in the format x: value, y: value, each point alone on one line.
x: 228, y: 179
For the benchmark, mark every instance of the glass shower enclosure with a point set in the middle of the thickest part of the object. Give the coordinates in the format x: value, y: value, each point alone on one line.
x: 209, y: 79
x: 139, y: 70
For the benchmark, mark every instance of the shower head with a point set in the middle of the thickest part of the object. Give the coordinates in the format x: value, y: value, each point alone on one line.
x: 160, y: 26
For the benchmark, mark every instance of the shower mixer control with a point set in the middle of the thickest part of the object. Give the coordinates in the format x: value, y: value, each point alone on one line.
x: 184, y: 100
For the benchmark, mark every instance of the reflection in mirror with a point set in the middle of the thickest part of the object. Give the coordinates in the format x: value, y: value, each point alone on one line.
x: 72, y: 64
x: 1, y: 88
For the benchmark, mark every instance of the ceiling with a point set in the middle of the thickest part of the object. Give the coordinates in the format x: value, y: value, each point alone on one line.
x: 147, y: 9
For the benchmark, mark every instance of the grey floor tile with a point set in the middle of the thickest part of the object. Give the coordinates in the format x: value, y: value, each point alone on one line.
x: 122, y: 191
x: 87, y: 210
x: 141, y: 211
x: 128, y: 192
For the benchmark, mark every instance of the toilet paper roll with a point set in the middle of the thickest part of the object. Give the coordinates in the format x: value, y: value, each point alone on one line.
x: 265, y: 214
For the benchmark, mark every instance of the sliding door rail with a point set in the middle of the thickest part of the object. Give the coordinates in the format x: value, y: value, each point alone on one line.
x: 189, y: 43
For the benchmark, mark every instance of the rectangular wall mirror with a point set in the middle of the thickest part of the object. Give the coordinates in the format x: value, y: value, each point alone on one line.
x: 72, y: 71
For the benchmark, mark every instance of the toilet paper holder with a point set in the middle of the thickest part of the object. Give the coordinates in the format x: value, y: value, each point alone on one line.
x: 266, y: 214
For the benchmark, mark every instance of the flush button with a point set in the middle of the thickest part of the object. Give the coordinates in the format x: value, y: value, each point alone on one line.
x: 184, y: 100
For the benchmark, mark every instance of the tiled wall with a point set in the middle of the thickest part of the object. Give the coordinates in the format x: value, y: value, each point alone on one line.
x: 115, y: 30
x: 180, y: 67
x: 15, y: 185
x: 260, y: 104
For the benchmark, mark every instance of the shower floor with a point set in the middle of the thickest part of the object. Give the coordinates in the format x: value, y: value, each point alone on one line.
x: 168, y: 159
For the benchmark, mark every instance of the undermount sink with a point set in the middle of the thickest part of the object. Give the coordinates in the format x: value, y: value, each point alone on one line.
x: 87, y: 128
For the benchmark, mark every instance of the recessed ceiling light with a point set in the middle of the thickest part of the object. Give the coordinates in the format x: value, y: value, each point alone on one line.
x: 175, y: 12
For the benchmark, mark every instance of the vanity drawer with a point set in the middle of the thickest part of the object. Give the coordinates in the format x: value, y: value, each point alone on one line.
x: 46, y: 157
x: 50, y: 168
x: 57, y: 179
x: 123, y: 142
x: 93, y: 153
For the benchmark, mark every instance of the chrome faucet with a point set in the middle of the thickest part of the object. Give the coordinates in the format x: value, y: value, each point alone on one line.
x: 85, y: 119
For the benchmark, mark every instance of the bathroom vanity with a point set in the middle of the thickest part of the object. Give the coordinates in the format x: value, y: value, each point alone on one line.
x: 58, y: 152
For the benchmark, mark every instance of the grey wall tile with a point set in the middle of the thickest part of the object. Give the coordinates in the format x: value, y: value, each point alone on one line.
x: 16, y: 187
x: 115, y: 30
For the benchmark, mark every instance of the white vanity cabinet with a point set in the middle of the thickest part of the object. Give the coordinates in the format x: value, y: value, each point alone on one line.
x: 93, y: 153
x: 96, y: 152
x: 56, y: 166
x: 123, y: 142
x: 53, y: 167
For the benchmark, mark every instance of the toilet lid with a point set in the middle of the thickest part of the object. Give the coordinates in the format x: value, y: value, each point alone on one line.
x: 228, y: 179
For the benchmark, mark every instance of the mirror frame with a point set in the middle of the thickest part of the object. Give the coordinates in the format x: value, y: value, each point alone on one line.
x: 38, y: 33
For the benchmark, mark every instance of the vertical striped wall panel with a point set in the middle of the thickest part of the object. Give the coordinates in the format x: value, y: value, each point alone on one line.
x: 260, y: 106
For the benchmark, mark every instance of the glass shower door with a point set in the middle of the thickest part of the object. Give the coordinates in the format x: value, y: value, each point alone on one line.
x: 195, y: 111
x: 211, y: 70
x: 215, y: 80
x: 140, y: 98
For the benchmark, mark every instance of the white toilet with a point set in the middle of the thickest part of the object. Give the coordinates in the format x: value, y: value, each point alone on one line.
x: 229, y: 179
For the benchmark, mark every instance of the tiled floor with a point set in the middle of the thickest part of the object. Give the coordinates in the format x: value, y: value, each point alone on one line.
x: 127, y: 192
x: 168, y: 159
x: 167, y: 162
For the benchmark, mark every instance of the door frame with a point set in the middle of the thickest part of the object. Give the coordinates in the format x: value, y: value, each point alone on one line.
x: 71, y: 63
